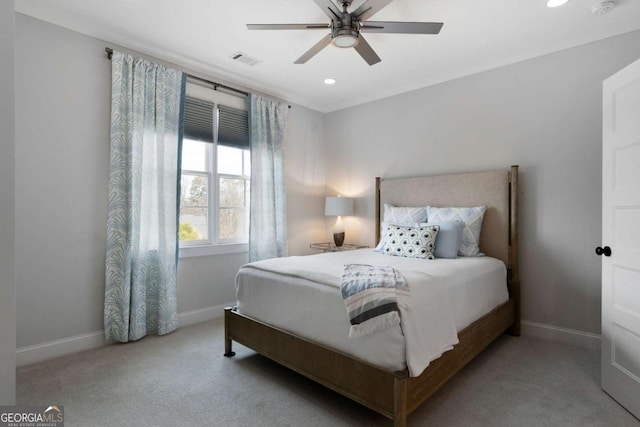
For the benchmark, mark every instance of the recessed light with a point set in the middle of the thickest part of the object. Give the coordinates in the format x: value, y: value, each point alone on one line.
x: 556, y: 3
x: 329, y: 81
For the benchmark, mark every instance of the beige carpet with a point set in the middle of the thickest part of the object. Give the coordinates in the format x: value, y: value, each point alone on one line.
x: 183, y: 380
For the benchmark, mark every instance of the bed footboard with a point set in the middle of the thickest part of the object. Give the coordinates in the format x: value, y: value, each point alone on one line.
x: 392, y: 394
x: 358, y: 380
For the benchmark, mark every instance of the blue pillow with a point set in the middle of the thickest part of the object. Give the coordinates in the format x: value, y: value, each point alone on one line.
x: 449, y: 238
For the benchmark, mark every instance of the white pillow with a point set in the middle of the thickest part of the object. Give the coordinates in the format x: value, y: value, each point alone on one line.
x: 404, y: 214
x: 410, y: 242
x: 472, y: 219
x: 400, y: 215
x: 383, y: 228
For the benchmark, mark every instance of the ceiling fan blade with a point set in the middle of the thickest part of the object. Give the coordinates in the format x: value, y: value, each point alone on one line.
x: 287, y: 26
x: 369, y: 8
x: 367, y: 53
x: 401, y: 27
x: 330, y: 8
x: 314, y: 50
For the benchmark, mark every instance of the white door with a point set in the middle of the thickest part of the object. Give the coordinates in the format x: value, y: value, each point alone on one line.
x: 621, y: 238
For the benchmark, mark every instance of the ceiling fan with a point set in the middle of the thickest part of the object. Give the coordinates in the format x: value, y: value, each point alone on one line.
x: 346, y: 28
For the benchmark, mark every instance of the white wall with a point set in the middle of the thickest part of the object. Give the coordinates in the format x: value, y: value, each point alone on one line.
x: 543, y: 114
x: 7, y: 192
x: 62, y: 159
x: 63, y: 85
x: 306, y: 177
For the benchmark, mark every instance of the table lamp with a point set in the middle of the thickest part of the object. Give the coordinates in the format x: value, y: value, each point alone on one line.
x: 338, y: 206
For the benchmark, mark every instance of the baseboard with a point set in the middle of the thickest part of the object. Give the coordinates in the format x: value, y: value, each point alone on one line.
x: 202, y: 314
x: 65, y: 346
x: 564, y: 335
x: 62, y: 347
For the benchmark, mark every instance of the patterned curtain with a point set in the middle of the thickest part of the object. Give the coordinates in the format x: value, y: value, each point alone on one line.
x: 268, y: 216
x: 141, y: 262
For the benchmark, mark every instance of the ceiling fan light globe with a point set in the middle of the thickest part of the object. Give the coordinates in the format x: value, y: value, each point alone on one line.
x: 345, y: 40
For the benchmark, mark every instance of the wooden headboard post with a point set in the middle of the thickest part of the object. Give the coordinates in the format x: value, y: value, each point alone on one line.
x: 514, y: 273
x: 378, y: 218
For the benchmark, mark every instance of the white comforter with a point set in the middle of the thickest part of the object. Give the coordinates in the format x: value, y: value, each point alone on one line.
x: 427, y: 321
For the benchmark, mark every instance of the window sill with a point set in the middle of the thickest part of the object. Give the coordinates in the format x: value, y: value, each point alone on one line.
x: 195, y: 251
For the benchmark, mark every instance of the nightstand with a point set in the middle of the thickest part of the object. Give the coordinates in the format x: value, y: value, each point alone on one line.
x: 330, y: 247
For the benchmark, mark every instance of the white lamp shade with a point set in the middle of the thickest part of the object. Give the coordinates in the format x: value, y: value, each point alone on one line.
x: 337, y: 206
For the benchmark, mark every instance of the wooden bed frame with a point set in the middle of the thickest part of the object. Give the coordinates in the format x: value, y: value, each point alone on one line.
x: 395, y: 394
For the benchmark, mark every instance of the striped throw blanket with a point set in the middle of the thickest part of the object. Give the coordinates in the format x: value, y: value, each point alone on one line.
x: 370, y: 295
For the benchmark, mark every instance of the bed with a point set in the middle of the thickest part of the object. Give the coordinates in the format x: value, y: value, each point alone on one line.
x: 384, y: 383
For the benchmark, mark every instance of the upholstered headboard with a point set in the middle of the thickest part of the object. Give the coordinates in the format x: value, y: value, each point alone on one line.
x: 497, y: 190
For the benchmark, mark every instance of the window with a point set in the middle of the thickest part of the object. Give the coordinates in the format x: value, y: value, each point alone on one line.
x: 216, y: 172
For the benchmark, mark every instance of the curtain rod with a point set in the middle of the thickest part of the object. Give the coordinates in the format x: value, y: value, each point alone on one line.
x: 214, y: 84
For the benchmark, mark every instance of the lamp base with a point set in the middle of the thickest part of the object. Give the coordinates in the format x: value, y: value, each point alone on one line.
x: 338, y: 238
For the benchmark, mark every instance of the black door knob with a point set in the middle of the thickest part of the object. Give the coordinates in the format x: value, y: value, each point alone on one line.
x: 606, y: 251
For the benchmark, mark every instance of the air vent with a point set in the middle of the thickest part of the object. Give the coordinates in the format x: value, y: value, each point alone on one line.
x: 602, y: 7
x: 244, y: 58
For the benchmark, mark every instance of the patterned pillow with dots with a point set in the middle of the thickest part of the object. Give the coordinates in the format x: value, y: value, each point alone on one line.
x: 411, y: 242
